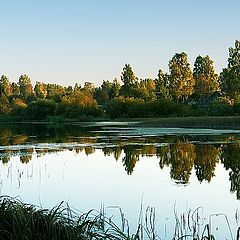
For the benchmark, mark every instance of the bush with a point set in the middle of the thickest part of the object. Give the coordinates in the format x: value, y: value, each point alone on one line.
x: 38, y: 110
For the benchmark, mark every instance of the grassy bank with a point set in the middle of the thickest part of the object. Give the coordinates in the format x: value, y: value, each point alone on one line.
x: 225, y: 122
x: 215, y: 122
x: 24, y: 221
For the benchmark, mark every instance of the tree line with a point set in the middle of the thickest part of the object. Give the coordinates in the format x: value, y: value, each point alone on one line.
x: 181, y: 91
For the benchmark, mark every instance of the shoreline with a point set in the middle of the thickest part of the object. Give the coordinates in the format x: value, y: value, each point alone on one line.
x: 213, y: 122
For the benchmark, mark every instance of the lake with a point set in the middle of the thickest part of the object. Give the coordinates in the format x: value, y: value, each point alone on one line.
x: 188, y: 175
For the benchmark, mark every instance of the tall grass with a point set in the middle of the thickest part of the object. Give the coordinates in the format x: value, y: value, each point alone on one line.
x: 24, y: 221
x: 225, y: 122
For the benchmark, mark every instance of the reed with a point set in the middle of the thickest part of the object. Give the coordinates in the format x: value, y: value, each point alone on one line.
x: 24, y: 221
x: 225, y: 122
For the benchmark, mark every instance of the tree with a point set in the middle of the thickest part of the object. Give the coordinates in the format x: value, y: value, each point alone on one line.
x: 146, y: 89
x: 206, y: 79
x: 40, y: 109
x: 230, y: 76
x: 80, y: 103
x: 5, y: 86
x: 101, y: 96
x: 116, y: 88
x: 104, y: 93
x: 161, y: 83
x: 112, y: 88
x: 5, y: 107
x: 40, y: 90
x: 18, y: 105
x: 89, y: 88
x: 15, y: 89
x: 129, y: 81
x: 25, y: 86
x: 181, y: 82
x: 55, y: 92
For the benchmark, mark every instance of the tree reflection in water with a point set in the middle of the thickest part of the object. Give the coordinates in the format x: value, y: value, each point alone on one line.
x: 230, y: 157
x: 130, y: 158
x: 180, y: 154
x: 182, y: 157
x: 207, y: 157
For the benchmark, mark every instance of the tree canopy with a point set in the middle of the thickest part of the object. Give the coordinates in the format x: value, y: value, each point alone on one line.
x: 206, y: 79
x: 181, y: 81
x: 230, y: 76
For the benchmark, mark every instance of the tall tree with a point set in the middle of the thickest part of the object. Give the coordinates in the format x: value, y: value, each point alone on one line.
x: 230, y: 76
x: 181, y: 81
x: 25, y: 86
x: 206, y: 79
x: 129, y: 81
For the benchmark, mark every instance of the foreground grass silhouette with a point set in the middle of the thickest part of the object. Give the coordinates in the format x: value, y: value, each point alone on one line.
x: 24, y: 221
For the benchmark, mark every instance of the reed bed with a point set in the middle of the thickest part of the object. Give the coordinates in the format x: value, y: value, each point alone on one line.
x: 223, y: 122
x: 24, y: 221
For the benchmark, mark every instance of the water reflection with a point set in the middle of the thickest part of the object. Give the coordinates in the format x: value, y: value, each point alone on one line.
x: 182, y: 154
x: 230, y: 157
x: 181, y: 157
x: 207, y: 157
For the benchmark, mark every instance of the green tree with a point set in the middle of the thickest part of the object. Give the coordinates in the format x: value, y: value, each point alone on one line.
x: 101, y: 96
x: 5, y: 107
x: 206, y: 79
x: 5, y: 86
x: 40, y: 90
x: 146, y: 89
x: 105, y: 92
x: 161, y: 83
x: 18, y: 105
x: 89, y: 88
x: 230, y: 76
x: 25, y: 86
x: 79, y: 104
x: 55, y: 92
x: 115, y: 88
x: 15, y: 89
x: 181, y: 81
x: 40, y: 109
x: 129, y: 82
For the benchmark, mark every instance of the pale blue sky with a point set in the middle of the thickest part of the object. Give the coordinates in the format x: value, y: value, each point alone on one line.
x: 76, y: 41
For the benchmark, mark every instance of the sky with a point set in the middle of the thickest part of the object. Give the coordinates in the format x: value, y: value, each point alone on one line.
x: 69, y: 41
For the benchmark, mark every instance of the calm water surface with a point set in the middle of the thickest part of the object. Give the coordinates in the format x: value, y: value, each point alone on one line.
x: 116, y: 164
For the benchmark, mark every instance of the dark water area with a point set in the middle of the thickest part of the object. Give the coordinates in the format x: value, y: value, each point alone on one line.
x: 119, y: 164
